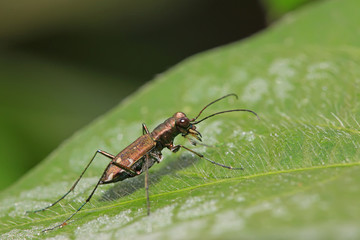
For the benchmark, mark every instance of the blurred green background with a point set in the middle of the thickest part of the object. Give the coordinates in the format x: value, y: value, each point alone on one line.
x: 63, y: 63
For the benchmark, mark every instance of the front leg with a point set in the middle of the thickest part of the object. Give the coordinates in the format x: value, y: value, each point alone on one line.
x: 177, y: 147
x: 173, y: 148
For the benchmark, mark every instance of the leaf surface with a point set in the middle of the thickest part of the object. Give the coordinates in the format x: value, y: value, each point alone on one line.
x: 301, y: 160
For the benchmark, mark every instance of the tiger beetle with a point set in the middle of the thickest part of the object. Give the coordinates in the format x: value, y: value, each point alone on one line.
x: 145, y: 151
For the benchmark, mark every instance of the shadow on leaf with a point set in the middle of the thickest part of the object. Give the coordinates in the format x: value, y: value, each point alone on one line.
x: 131, y: 185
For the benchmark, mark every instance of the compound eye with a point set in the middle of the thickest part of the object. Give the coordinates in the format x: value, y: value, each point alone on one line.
x: 183, y: 122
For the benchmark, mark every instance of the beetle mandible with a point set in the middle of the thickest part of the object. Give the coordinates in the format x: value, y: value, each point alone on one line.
x: 145, y: 151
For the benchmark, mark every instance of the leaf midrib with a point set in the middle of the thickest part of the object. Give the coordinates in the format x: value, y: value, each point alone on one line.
x: 218, y: 181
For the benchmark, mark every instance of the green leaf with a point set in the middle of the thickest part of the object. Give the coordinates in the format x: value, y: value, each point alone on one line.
x: 301, y: 160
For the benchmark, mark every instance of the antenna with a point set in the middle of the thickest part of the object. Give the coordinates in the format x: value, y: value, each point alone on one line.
x: 228, y: 95
x: 233, y: 110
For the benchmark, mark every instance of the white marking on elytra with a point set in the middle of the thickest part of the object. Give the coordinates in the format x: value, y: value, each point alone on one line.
x: 110, y: 177
x: 131, y: 161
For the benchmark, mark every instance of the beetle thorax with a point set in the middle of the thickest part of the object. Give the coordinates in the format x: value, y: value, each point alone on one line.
x: 165, y: 132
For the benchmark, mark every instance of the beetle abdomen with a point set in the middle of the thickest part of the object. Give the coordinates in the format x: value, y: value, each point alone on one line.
x: 131, y: 157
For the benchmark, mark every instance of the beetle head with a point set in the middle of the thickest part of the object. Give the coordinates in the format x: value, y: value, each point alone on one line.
x: 184, y: 125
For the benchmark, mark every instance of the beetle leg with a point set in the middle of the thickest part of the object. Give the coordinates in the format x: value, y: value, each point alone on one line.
x: 173, y: 148
x: 127, y: 169
x: 76, y: 182
x: 177, y: 147
x: 145, y: 129
x: 156, y: 156
x: 147, y: 183
x: 78, y: 210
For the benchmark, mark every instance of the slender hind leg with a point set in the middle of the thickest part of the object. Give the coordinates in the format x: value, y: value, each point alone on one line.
x: 146, y: 131
x: 177, y: 147
x: 89, y: 197
x: 77, y: 181
x: 87, y: 200
x: 147, y: 183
